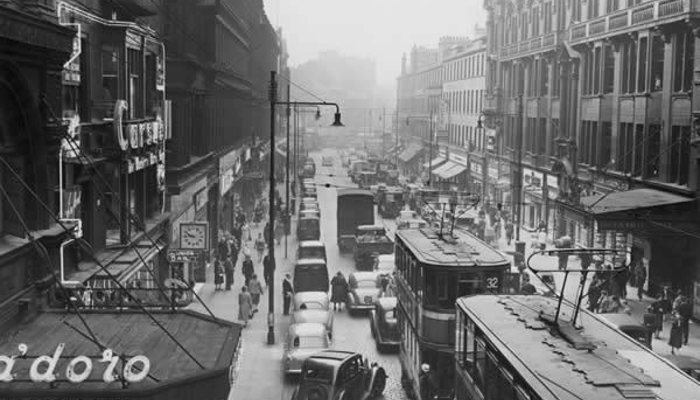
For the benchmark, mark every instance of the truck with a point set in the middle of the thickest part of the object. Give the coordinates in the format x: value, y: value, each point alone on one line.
x: 355, y: 208
x: 370, y: 240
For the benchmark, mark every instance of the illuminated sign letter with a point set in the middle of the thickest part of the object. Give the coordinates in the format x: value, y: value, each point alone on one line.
x: 132, y: 376
x: 120, y: 106
x: 79, y: 377
x: 108, y: 357
x: 6, y: 374
x: 48, y: 375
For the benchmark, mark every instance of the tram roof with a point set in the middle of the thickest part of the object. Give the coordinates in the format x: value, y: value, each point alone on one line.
x: 613, y: 370
x: 459, y: 249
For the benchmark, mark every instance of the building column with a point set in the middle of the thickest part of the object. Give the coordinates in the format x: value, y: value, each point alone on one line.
x: 617, y: 87
x: 666, y: 105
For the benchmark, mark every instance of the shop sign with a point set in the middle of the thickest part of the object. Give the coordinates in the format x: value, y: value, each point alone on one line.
x: 136, y: 135
x: 631, y: 224
x: 461, y: 160
x: 137, y: 163
x: 71, y: 203
x: 71, y: 69
x: 476, y: 168
x: 200, y: 199
x: 533, y: 178
x: 43, y: 368
x: 178, y: 255
x: 71, y: 148
x: 160, y: 73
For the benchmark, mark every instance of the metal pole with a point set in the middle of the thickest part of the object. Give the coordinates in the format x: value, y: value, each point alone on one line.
x: 430, y: 160
x: 296, y: 150
x: 517, y: 196
x: 286, y: 206
x: 271, y: 241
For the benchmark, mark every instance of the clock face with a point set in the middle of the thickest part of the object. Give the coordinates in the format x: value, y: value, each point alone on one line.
x: 193, y: 236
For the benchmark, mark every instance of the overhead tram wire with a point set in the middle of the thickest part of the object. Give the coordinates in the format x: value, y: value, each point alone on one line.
x: 139, y: 224
x: 41, y: 249
x: 104, y: 269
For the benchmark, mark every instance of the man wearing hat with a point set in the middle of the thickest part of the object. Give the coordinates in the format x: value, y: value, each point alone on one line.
x: 427, y: 389
x: 287, y: 292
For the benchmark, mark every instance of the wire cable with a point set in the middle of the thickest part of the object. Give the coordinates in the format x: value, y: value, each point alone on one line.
x: 87, y: 246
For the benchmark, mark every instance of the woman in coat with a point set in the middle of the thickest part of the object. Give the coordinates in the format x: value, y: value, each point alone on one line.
x: 255, y: 290
x: 675, y: 339
x: 339, y: 291
x: 245, y: 306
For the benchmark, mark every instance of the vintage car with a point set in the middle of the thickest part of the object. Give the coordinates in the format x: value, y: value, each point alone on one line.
x: 335, y: 374
x: 311, y: 301
x: 303, y: 340
x: 384, y: 264
x: 309, y: 227
x: 365, y: 289
x: 310, y: 275
x: 327, y: 161
x: 314, y: 313
x: 383, y: 324
x: 311, y: 249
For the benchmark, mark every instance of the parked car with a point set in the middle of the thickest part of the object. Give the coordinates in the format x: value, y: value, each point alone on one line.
x: 383, y: 323
x: 365, y: 289
x: 335, y: 374
x: 311, y: 275
x: 303, y: 340
x: 311, y: 249
x: 315, y: 312
x: 327, y: 161
x: 311, y: 301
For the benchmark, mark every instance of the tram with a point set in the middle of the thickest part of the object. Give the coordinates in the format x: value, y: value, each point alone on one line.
x: 433, y: 270
x: 510, y: 347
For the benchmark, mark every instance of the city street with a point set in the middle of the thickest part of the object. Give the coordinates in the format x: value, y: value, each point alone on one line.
x: 259, y: 371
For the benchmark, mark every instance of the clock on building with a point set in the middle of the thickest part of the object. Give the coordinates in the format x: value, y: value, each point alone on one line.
x: 194, y: 235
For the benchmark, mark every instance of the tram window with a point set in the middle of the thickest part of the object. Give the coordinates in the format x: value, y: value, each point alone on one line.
x: 493, y: 388
x: 466, y: 356
x: 479, y: 374
x: 505, y: 383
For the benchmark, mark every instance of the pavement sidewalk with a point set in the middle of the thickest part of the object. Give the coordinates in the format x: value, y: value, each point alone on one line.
x: 258, y: 363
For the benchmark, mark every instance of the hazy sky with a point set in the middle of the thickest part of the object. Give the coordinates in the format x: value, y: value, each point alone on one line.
x: 378, y: 29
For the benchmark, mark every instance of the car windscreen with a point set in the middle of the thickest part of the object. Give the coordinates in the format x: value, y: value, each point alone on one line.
x: 312, y: 252
x: 308, y: 223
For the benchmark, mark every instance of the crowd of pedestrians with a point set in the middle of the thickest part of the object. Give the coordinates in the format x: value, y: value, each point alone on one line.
x: 240, y: 241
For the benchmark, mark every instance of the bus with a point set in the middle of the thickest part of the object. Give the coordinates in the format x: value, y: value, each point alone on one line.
x: 433, y: 270
x: 509, y: 347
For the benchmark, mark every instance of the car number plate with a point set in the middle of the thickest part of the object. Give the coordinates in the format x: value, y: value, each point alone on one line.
x: 368, y: 299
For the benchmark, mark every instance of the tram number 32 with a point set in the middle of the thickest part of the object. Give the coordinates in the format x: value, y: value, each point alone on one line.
x: 492, y: 283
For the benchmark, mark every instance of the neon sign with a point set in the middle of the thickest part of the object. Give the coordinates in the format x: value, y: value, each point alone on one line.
x: 43, y: 368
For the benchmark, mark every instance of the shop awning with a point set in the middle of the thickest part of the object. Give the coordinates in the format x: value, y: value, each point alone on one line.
x: 410, y: 153
x: 630, y: 200
x: 435, y: 162
x: 173, y: 374
x: 443, y: 168
x: 454, y: 170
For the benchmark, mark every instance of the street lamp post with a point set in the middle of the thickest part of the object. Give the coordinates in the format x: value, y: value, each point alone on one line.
x: 430, y: 160
x: 286, y: 203
x: 270, y: 233
x: 270, y: 236
x: 518, y: 181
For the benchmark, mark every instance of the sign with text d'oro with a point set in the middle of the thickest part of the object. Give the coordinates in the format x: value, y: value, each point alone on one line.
x: 44, y: 368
